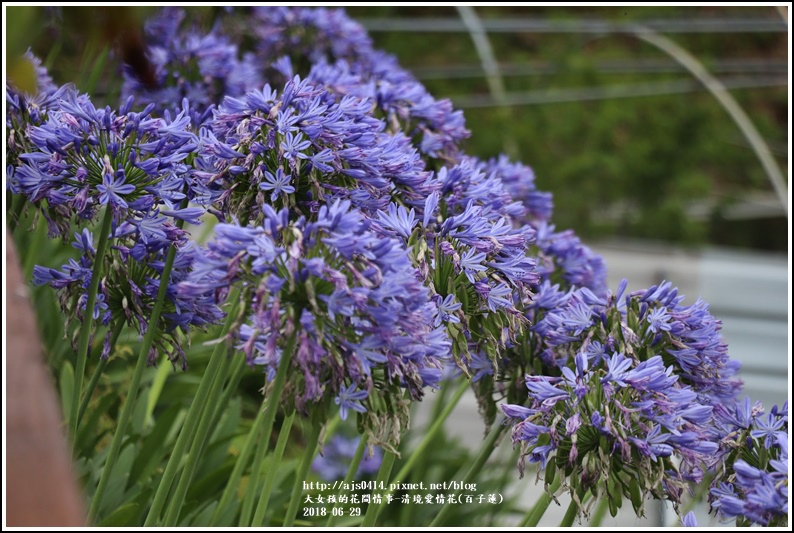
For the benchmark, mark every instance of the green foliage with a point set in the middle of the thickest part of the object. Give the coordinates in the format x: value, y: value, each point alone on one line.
x: 626, y: 167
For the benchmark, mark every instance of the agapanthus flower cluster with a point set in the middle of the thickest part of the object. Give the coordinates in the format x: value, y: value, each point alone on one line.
x: 340, y: 55
x: 83, y: 157
x: 635, y: 383
x: 344, y: 304
x: 303, y: 147
x: 274, y: 43
x: 316, y: 35
x: 643, y: 324
x: 131, y: 278
x: 751, y: 484
x: 561, y: 256
x: 361, y: 250
x: 334, y: 460
x: 403, y: 102
x: 612, y: 428
x: 188, y: 62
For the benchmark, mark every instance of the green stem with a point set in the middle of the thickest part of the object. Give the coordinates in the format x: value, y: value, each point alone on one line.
x: 508, y: 471
x: 129, y: 403
x: 88, y: 320
x: 534, y: 515
x: 270, y: 417
x: 238, y: 368
x: 700, y: 492
x: 100, y: 368
x: 239, y: 467
x: 252, y: 487
x: 438, y: 405
x: 18, y: 202
x: 351, y: 472
x: 417, y: 452
x: 601, y: 511
x: 38, y: 234
x: 383, y: 480
x: 573, y: 509
x: 420, y: 468
x: 308, y: 456
x: 331, y: 427
x: 192, y: 418
x: 432, y: 431
x: 485, y: 452
x: 197, y: 447
x: 270, y: 477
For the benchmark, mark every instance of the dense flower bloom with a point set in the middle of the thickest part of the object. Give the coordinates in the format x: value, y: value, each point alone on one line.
x: 359, y: 320
x: 621, y: 387
x: 82, y: 157
x: 189, y: 63
x: 751, y: 483
x: 369, y: 255
x: 333, y: 50
x: 130, y: 283
x: 621, y: 419
x: 306, y: 147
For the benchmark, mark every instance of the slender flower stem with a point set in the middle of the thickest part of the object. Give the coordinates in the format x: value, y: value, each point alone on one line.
x: 239, y: 467
x: 438, y: 408
x: 438, y: 405
x: 416, y: 453
x: 252, y: 486
x: 600, y: 512
x: 197, y: 447
x: 100, y: 368
x: 383, y: 480
x: 88, y: 320
x: 485, y: 452
x: 534, y: 515
x: 351, y: 472
x: 433, y: 430
x: 270, y: 477
x: 192, y: 418
x: 232, y: 386
x: 18, y: 201
x: 267, y: 423
x: 129, y: 403
x: 308, y: 456
x: 573, y: 509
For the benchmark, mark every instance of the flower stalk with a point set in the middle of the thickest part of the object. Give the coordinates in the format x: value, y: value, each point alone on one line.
x: 267, y: 425
x: 88, y: 320
x: 270, y: 477
x: 351, y: 473
x: 192, y: 419
x: 312, y: 438
x: 140, y: 365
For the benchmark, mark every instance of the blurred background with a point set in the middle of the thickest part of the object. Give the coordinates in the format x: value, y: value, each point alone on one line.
x: 645, y: 164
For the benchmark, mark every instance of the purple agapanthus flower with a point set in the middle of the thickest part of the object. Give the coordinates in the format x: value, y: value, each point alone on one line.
x: 350, y: 398
x: 278, y: 184
x: 111, y: 189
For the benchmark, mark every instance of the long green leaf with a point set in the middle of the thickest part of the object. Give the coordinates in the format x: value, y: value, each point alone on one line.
x: 66, y: 383
x: 154, y: 445
x: 124, y: 516
x: 163, y: 371
x: 89, y: 431
x: 96, y: 71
